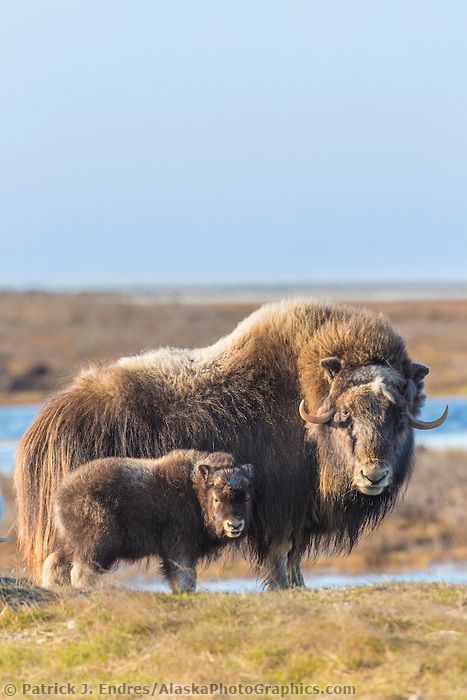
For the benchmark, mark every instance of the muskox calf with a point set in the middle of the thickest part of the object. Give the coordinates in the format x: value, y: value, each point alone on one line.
x: 182, y: 507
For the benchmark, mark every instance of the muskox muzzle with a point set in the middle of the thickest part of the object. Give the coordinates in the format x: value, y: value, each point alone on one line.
x: 372, y: 479
x: 233, y: 528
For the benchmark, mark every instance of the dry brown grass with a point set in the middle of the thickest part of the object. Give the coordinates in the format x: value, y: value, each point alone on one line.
x: 45, y: 338
x: 388, y: 642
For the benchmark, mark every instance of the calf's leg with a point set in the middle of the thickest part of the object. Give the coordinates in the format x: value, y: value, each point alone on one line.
x: 97, y: 558
x: 56, y: 570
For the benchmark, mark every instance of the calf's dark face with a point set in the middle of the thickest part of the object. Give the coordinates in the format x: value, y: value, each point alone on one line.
x: 228, y: 499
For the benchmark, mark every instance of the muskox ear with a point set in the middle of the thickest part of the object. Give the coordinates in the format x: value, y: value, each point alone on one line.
x: 332, y: 366
x: 248, y: 470
x: 418, y: 371
x: 204, y: 470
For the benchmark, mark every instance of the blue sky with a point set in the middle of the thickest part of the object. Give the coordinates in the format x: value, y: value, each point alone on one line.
x: 232, y: 142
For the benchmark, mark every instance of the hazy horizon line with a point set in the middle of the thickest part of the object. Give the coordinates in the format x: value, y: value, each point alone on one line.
x: 227, y: 286
x: 263, y: 293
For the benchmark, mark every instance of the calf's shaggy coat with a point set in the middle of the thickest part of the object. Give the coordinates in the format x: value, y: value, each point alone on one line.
x: 182, y: 507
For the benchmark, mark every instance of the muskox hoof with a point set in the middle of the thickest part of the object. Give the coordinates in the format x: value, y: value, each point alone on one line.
x: 295, y: 575
x: 297, y: 580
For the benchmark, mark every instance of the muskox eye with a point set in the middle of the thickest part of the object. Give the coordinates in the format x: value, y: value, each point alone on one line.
x: 343, y: 415
x: 215, y: 499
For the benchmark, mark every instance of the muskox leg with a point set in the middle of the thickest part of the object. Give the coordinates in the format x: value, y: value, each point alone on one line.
x: 181, y: 575
x: 295, y: 573
x: 56, y: 570
x: 82, y: 575
x: 277, y: 576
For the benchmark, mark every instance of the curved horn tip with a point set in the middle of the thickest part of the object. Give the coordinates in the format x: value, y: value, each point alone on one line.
x: 429, y: 425
x: 302, y: 411
x: 309, y: 418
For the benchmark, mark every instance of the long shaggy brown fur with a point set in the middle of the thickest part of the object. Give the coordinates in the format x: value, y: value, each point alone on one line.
x: 183, y: 507
x: 240, y: 395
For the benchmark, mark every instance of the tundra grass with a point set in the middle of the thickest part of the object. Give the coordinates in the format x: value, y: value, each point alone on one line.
x: 388, y: 642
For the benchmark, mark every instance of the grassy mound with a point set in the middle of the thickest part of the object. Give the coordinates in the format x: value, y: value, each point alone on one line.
x: 386, y: 641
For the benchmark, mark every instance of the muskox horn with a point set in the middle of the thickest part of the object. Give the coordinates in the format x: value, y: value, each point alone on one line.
x: 319, y: 419
x: 428, y: 425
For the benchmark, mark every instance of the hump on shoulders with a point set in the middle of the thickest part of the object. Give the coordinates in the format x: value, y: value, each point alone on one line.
x: 299, y: 329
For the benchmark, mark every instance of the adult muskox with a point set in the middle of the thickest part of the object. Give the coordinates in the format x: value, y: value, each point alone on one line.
x: 318, y: 485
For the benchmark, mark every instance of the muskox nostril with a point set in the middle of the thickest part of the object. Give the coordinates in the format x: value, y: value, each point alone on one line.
x: 373, y: 482
x: 235, y: 526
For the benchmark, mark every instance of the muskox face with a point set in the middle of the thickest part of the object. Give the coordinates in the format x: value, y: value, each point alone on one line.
x: 364, y: 429
x: 227, y: 499
x: 371, y: 432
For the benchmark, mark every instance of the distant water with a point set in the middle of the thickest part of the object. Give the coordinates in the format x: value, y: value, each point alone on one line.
x: 260, y: 294
x: 440, y: 573
x: 14, y: 420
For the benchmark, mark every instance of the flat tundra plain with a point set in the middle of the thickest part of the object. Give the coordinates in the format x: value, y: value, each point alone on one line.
x: 46, y: 338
